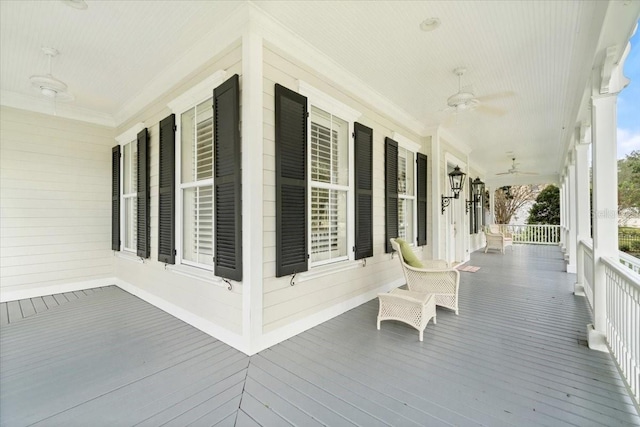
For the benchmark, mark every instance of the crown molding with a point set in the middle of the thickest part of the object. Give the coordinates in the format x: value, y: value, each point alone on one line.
x: 211, y: 44
x: 38, y: 104
x: 295, y: 46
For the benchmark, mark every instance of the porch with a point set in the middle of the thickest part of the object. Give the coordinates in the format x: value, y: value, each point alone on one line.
x: 516, y: 355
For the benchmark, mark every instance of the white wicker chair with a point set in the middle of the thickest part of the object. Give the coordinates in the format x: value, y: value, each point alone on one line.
x: 438, y: 279
x: 497, y: 240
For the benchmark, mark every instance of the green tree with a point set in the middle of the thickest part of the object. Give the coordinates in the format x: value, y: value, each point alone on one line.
x: 546, y: 209
x: 629, y: 186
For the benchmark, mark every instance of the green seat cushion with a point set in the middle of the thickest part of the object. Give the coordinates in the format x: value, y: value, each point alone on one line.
x: 407, y: 253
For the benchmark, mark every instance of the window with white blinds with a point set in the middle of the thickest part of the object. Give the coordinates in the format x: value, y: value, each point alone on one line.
x: 196, y: 185
x: 329, y: 183
x: 406, y: 195
x: 129, y: 196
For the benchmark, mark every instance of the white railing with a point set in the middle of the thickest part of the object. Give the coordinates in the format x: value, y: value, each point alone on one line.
x: 630, y: 261
x: 587, y: 273
x: 623, y: 320
x: 533, y: 234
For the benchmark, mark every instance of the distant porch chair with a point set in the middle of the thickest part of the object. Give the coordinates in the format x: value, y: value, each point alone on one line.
x: 496, y: 239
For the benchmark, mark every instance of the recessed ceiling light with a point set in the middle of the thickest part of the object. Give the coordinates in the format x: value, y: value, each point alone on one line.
x: 76, y: 4
x: 430, y: 24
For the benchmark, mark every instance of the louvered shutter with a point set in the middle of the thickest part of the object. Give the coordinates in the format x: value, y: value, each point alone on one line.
x: 142, y: 215
x: 421, y: 166
x: 471, y: 208
x: 391, y: 191
x: 291, y: 181
x: 167, y: 191
x: 115, y: 198
x: 227, y: 181
x: 363, y: 148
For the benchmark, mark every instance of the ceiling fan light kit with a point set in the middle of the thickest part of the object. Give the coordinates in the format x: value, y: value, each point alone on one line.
x: 47, y: 84
x: 515, y: 171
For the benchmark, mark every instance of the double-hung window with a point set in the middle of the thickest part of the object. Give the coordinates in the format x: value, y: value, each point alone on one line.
x: 126, y: 234
x: 196, y: 185
x: 330, y: 187
x: 331, y: 192
x: 199, y: 172
x: 129, y: 196
x: 405, y: 191
x: 406, y: 194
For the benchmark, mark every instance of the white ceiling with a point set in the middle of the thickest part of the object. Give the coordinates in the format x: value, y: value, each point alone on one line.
x: 536, y: 54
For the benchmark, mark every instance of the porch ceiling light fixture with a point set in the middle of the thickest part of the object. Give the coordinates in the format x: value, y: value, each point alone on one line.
x: 430, y: 24
x: 477, y: 189
x: 456, y: 180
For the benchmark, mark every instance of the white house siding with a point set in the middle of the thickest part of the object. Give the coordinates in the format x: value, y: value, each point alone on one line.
x: 55, y: 198
x: 285, y: 304
x: 206, y: 304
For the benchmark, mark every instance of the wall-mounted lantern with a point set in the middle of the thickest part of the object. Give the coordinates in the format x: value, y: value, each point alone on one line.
x: 477, y: 189
x: 456, y: 180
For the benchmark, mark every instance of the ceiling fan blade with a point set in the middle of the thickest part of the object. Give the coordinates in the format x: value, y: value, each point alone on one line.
x: 504, y: 173
x: 526, y: 173
x: 494, y: 111
x: 494, y: 96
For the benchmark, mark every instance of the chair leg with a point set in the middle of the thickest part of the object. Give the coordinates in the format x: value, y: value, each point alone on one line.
x: 378, y: 323
x: 421, y: 335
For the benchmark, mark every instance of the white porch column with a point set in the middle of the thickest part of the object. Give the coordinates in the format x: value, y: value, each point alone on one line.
x: 583, y: 205
x: 605, y: 224
x: 571, y: 211
x: 563, y: 214
x: 609, y: 82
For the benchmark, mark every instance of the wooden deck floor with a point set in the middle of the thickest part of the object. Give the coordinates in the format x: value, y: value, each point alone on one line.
x: 515, y: 356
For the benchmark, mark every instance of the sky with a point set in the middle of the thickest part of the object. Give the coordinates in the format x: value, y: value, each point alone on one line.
x: 629, y: 102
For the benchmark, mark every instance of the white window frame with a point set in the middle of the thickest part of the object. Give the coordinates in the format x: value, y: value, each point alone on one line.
x: 188, y: 100
x: 322, y: 101
x: 413, y: 148
x: 130, y: 136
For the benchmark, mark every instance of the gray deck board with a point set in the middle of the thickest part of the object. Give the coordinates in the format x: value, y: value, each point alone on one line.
x: 515, y: 355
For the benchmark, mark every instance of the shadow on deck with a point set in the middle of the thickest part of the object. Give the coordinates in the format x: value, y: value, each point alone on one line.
x: 516, y: 355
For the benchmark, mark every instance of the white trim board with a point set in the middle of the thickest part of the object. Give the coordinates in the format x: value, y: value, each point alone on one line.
x: 234, y: 340
x: 281, y: 334
x: 41, y: 291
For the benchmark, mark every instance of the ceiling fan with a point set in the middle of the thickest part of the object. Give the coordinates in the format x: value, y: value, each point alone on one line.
x: 48, y: 85
x: 514, y: 170
x: 465, y: 99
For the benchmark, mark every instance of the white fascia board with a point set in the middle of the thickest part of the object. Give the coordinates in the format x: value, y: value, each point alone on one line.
x: 198, y: 93
x: 45, y: 106
x: 325, y: 102
x: 130, y: 134
x: 406, y: 143
x: 298, y: 48
x: 473, y: 165
x: 454, y: 141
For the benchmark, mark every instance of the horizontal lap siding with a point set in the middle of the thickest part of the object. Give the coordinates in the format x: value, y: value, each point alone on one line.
x: 284, y: 304
x: 201, y: 298
x: 55, y: 194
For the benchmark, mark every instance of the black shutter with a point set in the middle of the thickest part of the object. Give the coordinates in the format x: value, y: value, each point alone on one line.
x: 143, y: 196
x: 421, y: 166
x: 471, y: 209
x: 291, y: 181
x: 167, y: 191
x: 391, y: 191
x: 363, y: 144
x: 115, y: 198
x: 227, y: 181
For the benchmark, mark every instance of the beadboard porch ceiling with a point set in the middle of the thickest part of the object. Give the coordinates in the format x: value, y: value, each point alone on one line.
x: 530, y: 59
